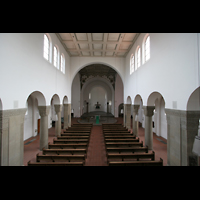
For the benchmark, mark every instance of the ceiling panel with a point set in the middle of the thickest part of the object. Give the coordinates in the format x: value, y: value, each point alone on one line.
x: 97, y: 53
x: 83, y: 46
x: 65, y: 36
x: 97, y: 44
x: 85, y: 53
x: 113, y: 36
x: 129, y: 36
x: 97, y: 36
x: 81, y: 36
x: 111, y: 46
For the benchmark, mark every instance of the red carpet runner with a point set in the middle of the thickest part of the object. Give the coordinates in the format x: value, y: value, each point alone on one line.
x: 96, y: 155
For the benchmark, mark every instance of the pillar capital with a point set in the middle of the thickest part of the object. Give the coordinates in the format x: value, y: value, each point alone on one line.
x: 43, y: 110
x: 58, y: 108
x: 148, y: 110
x: 135, y: 108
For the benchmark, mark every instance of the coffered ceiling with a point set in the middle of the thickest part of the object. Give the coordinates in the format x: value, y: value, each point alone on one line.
x: 98, y: 44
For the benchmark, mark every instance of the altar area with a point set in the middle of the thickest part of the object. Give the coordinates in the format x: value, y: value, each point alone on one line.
x: 91, y: 118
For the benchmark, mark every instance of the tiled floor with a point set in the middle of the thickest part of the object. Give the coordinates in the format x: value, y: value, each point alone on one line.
x: 96, y: 155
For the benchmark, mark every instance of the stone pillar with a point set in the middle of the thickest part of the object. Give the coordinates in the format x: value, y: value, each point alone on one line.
x: 44, y: 112
x: 58, y: 109
x: 135, y: 123
x: 182, y: 127
x: 69, y: 115
x: 148, y: 111
x: 65, y: 116
x: 128, y: 116
x: 124, y: 116
x: 107, y: 107
x: 12, y: 137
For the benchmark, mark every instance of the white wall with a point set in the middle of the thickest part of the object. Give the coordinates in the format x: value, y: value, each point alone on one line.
x: 24, y: 70
x: 172, y: 69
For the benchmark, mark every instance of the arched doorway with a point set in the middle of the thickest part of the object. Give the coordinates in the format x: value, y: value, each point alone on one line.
x: 159, y: 117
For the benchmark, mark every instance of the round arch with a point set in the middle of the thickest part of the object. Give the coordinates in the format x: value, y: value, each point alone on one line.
x: 91, y: 63
x: 138, y: 99
x: 56, y: 99
x: 159, y: 118
x: 129, y: 100
x: 39, y: 96
x: 65, y: 99
x: 1, y: 105
x: 193, y: 102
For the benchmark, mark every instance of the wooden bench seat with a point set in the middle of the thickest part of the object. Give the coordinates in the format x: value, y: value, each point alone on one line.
x: 118, y: 134
x: 136, y: 163
x: 74, y: 137
x: 82, y: 151
x: 69, y: 141
x: 77, y: 131
x: 122, y: 156
x: 68, y: 146
x: 121, y: 140
x: 60, y: 158
x: 119, y: 137
x: 126, y: 144
x: 56, y: 163
x: 75, y: 134
x: 126, y: 149
x: 82, y: 125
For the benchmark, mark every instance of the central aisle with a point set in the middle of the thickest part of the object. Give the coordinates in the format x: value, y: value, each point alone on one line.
x: 96, y: 155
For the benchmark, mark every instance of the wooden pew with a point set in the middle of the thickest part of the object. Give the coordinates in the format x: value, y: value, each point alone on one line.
x: 118, y: 134
x: 82, y: 151
x: 60, y: 158
x: 119, y: 137
x: 75, y: 134
x: 122, y: 156
x: 124, y: 144
x: 69, y: 141
x: 86, y: 124
x: 136, y: 163
x: 74, y: 137
x: 68, y: 146
x: 76, y: 131
x: 56, y: 163
x: 121, y: 140
x: 126, y: 149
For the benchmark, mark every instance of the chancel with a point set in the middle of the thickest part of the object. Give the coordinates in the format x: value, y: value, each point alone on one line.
x: 88, y: 99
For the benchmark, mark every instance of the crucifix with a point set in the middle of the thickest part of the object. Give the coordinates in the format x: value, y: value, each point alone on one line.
x: 97, y: 106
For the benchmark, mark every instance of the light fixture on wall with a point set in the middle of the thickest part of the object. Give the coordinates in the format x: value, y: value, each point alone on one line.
x: 196, y: 145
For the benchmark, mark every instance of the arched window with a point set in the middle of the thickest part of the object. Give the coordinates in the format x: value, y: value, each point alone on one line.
x: 62, y: 63
x: 132, y: 64
x: 147, y: 49
x: 46, y: 49
x: 138, y: 58
x: 56, y: 57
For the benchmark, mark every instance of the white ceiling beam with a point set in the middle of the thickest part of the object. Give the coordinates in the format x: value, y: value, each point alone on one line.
x: 98, y: 42
x: 75, y: 42
x: 89, y: 35
x: 105, y: 42
x: 120, y: 41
